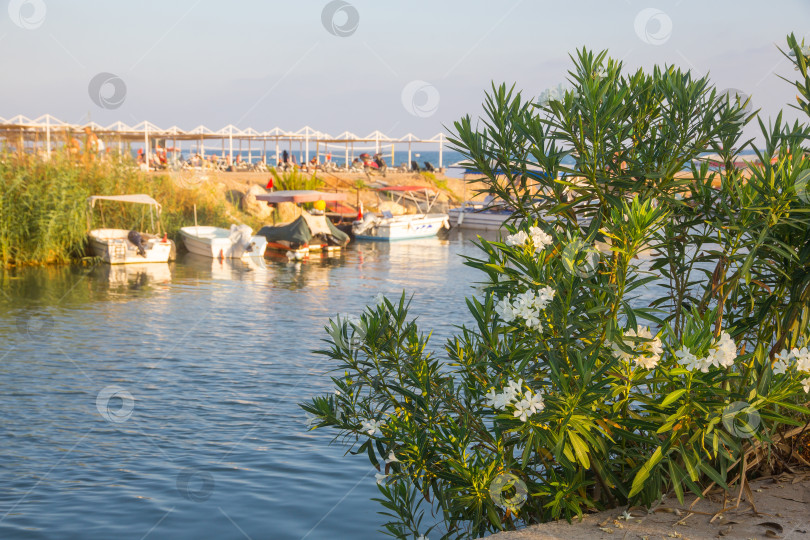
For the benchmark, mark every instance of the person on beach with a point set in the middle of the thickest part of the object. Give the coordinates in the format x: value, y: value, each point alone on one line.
x: 74, y: 147
x: 91, y: 144
x: 381, y: 165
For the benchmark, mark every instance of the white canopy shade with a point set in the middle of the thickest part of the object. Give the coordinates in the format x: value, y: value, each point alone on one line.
x: 137, y: 199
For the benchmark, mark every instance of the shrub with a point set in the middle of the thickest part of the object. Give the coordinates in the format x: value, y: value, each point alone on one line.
x: 295, y: 179
x: 644, y: 322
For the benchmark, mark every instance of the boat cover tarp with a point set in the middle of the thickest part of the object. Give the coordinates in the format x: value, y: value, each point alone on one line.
x: 298, y: 233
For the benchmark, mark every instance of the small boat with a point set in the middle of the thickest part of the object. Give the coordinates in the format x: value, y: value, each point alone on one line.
x: 121, y: 246
x: 311, y: 231
x: 387, y: 227
x: 219, y: 243
x: 482, y: 216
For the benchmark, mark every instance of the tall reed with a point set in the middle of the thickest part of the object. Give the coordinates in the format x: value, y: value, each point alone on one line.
x: 44, y: 211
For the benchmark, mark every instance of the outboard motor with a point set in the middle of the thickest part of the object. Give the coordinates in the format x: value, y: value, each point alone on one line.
x: 359, y: 227
x: 242, y: 239
x: 136, y: 239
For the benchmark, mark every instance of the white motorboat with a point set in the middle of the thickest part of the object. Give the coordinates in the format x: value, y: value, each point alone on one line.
x: 219, y: 243
x: 387, y: 227
x: 482, y: 216
x: 121, y: 246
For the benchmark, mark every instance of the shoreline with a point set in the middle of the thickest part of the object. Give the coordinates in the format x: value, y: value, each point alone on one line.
x: 771, y: 507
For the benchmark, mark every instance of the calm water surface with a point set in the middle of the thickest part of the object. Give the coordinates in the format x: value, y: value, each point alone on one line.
x: 197, y: 434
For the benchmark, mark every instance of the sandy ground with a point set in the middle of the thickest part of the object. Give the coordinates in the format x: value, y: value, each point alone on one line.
x: 781, y: 509
x: 452, y: 190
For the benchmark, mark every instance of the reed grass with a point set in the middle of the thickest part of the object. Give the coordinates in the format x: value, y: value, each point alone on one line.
x: 295, y: 179
x: 44, y: 211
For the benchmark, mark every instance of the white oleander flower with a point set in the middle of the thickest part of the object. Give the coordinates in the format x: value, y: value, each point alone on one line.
x: 391, y: 458
x: 782, y: 362
x: 806, y: 385
x: 544, y: 297
x: 380, y: 477
x: 517, y: 239
x: 688, y: 360
x: 503, y: 400
x: 379, y: 299
x: 802, y: 358
x: 533, y: 320
x: 515, y: 387
x: 536, y: 403
x: 312, y: 421
x: 779, y: 367
x: 500, y: 400
x: 523, y: 409
x: 371, y: 427
x: 524, y: 300
x: 723, y: 353
x: 645, y: 354
x: 504, y: 309
x: 492, y: 398
x: 539, y: 238
x: 526, y: 305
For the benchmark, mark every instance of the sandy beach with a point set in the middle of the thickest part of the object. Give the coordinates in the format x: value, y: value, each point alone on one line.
x: 778, y: 509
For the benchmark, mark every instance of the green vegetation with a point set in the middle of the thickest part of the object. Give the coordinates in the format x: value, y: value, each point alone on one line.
x: 441, y: 184
x: 295, y: 180
x: 43, y: 208
x: 643, y: 327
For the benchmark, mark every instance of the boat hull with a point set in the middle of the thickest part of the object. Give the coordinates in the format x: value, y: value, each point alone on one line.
x: 113, y: 247
x: 407, y: 227
x: 214, y: 243
x: 481, y: 221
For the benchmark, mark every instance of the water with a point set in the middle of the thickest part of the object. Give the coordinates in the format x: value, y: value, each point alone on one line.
x: 338, y: 155
x: 199, y: 435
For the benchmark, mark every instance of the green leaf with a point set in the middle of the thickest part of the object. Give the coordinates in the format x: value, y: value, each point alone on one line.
x: 673, y: 396
x: 644, y: 472
x: 581, y: 450
x: 713, y: 474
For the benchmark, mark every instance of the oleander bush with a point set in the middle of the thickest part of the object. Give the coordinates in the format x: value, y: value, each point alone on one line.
x: 644, y: 324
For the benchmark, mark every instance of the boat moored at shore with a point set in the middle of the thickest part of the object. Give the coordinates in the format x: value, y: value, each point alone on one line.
x: 219, y: 243
x: 309, y: 232
x: 386, y: 227
x: 482, y: 216
x: 122, y: 246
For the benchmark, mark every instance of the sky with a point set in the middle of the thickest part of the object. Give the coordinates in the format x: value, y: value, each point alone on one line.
x: 362, y: 65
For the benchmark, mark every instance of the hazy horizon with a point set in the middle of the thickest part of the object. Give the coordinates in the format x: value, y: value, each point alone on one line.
x: 362, y: 66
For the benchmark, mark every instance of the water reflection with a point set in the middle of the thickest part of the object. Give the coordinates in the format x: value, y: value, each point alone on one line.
x: 216, y: 356
x: 247, y: 269
x: 132, y: 277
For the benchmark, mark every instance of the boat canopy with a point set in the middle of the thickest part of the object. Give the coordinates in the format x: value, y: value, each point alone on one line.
x: 138, y: 199
x: 406, y: 188
x: 300, y: 196
x: 415, y: 194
